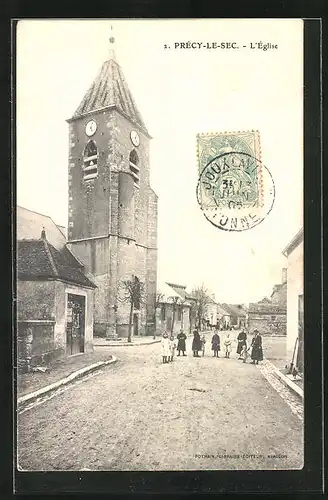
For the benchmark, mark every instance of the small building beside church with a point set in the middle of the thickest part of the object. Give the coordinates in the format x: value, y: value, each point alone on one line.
x: 55, y: 298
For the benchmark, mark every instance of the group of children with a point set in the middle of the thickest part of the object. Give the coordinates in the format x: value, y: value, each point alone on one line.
x: 169, y: 345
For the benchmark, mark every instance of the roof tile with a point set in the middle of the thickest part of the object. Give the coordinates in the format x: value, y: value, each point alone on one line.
x: 38, y: 259
x: 110, y: 88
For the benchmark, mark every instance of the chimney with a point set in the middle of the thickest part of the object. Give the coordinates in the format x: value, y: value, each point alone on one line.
x: 43, y: 234
x: 284, y: 275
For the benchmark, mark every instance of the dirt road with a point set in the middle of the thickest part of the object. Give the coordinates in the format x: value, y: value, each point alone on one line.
x: 195, y: 413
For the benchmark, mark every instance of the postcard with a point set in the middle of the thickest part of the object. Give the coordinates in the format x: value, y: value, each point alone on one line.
x: 160, y: 302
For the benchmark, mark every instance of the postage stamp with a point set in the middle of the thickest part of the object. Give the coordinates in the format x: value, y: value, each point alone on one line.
x: 235, y: 190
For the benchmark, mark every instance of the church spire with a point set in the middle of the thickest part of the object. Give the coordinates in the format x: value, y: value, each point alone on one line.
x: 111, y: 45
x: 110, y: 89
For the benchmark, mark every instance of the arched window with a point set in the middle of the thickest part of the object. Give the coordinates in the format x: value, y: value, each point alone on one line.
x: 134, y: 167
x: 90, y: 161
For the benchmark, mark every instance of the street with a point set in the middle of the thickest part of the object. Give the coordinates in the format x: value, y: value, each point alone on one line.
x: 140, y: 414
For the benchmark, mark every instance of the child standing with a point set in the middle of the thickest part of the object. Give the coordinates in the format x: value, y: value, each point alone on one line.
x: 244, y: 353
x: 216, y: 344
x: 165, y: 348
x: 203, y: 342
x: 173, y: 346
x: 227, y: 345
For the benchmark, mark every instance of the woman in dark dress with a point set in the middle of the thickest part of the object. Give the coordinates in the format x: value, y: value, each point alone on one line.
x: 241, y: 339
x: 256, y: 345
x: 181, y: 342
x: 196, y: 344
x: 216, y: 344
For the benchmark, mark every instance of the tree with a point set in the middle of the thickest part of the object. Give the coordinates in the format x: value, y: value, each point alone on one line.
x: 131, y: 292
x: 158, y: 299
x: 202, y: 299
x: 175, y: 301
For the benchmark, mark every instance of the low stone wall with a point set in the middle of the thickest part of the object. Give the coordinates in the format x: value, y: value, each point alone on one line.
x: 268, y: 324
x: 35, y: 344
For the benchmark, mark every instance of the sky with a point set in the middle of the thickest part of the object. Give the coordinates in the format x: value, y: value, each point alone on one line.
x: 180, y: 92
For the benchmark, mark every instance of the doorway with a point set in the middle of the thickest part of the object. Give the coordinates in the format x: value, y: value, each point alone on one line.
x: 75, y: 323
x: 135, y: 324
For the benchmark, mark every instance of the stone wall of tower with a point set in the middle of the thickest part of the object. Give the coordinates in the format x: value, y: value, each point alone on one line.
x: 115, y: 220
x: 95, y: 255
x: 132, y: 255
x: 88, y: 201
x: 151, y: 258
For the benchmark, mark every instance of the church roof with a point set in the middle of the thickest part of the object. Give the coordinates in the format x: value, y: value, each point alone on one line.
x: 39, y: 260
x: 110, y: 89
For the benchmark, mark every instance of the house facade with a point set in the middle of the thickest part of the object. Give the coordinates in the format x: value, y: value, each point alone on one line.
x: 295, y: 300
x: 223, y: 318
x: 269, y: 315
x: 237, y: 315
x: 174, y: 309
x: 211, y: 311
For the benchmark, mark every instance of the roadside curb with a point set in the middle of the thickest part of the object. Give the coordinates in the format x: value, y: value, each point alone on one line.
x: 289, y: 383
x: 124, y: 344
x: 28, y: 398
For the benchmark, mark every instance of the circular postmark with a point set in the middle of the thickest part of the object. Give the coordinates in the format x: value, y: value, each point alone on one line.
x: 235, y: 191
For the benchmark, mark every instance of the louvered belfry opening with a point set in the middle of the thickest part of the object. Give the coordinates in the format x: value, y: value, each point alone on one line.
x: 90, y: 161
x: 134, y: 167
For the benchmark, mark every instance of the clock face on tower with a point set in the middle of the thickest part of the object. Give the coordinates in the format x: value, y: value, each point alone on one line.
x: 90, y: 128
x: 135, y: 138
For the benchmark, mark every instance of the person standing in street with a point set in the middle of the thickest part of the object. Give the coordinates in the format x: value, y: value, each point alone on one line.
x: 181, y: 343
x: 196, y: 344
x: 165, y: 348
x: 256, y: 345
x: 203, y: 342
x: 227, y: 345
x: 241, y: 341
x: 173, y: 346
x: 244, y: 353
x: 216, y: 344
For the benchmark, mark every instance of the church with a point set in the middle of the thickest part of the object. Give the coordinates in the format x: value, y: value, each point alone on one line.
x: 112, y: 209
x: 111, y: 235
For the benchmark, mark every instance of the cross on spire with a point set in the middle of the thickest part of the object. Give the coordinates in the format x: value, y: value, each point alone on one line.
x: 111, y: 44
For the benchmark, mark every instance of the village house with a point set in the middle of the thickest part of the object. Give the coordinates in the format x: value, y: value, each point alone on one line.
x: 295, y: 301
x: 237, y: 315
x: 54, y: 294
x: 269, y: 315
x: 210, y: 314
x: 174, y: 309
x: 223, y: 318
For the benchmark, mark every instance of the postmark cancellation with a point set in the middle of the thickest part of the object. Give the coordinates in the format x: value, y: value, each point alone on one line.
x: 235, y: 190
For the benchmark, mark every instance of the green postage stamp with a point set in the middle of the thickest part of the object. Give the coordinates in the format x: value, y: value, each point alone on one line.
x: 235, y: 190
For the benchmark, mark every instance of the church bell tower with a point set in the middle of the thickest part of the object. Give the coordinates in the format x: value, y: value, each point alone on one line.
x: 112, y: 210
